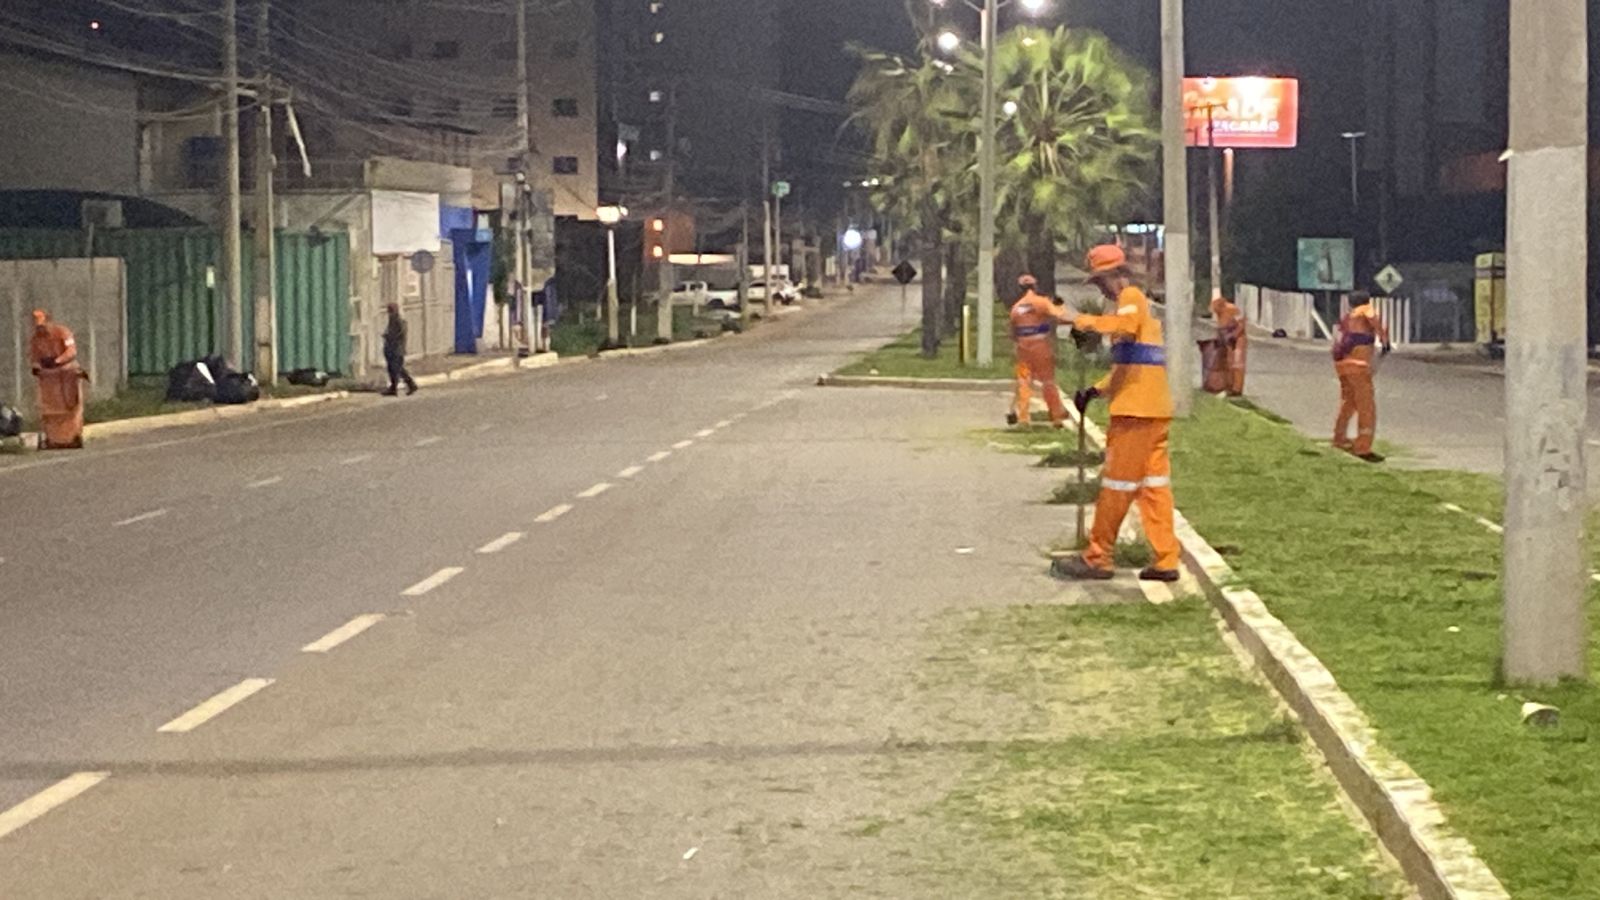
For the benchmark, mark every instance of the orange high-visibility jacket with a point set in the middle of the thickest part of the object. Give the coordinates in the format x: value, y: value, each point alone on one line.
x: 1230, y: 320
x: 1137, y: 385
x: 1034, y: 319
x: 1361, y: 329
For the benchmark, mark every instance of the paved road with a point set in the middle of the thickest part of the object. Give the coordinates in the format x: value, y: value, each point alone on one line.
x: 1440, y: 414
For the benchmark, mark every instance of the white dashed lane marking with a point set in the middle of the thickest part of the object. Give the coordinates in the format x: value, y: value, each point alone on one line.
x: 658, y: 457
x: 343, y: 633
x: 550, y: 515
x: 265, y: 482
x: 432, y: 581
x: 51, y: 797
x: 216, y: 706
x: 682, y: 444
x: 630, y: 471
x: 705, y: 432
x: 428, y: 441
x: 723, y: 424
x: 501, y: 542
x: 595, y: 491
x: 142, y: 517
x: 355, y: 460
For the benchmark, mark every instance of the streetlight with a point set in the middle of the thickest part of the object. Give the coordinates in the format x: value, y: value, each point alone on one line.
x: 1355, y: 197
x: 609, y: 216
x: 988, y: 12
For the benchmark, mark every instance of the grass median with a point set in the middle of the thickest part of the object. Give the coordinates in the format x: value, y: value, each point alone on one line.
x: 1401, y: 600
x: 903, y: 359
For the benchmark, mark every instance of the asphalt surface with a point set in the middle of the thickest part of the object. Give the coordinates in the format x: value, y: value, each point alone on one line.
x: 611, y: 611
x: 1435, y: 414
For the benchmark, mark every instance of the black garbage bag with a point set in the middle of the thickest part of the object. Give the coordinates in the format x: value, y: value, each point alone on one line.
x: 238, y: 387
x: 191, y: 382
x: 10, y: 422
x: 308, y: 377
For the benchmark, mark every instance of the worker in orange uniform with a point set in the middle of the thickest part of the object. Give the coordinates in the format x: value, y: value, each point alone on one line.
x: 1137, y: 467
x: 1361, y: 332
x: 1232, y: 344
x: 1034, y: 318
x: 54, y: 354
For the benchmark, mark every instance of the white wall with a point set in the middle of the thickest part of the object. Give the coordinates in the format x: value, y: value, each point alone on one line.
x: 65, y: 127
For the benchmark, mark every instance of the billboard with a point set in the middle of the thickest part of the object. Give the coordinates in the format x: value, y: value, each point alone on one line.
x: 1248, y: 113
x: 1327, y: 264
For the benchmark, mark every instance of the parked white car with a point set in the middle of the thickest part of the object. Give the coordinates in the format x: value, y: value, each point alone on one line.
x: 782, y: 291
x: 690, y: 293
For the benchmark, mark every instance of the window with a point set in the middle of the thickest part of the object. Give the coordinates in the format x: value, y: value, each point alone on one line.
x: 446, y: 50
x: 655, y: 7
x: 505, y: 108
x: 656, y: 97
x: 564, y: 165
x: 658, y: 37
x: 656, y: 155
x: 564, y: 108
x: 564, y: 50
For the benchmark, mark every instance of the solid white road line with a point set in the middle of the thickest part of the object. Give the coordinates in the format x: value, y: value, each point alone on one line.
x: 681, y: 444
x: 1489, y: 524
x: 428, y: 441
x: 501, y: 542
x: 739, y: 416
x: 630, y: 471
x: 595, y: 491
x: 432, y: 581
x: 355, y: 460
x: 705, y: 432
x: 554, y: 513
x: 142, y: 517
x: 265, y: 482
x: 343, y: 633
x: 51, y: 797
x: 216, y: 706
x: 658, y: 457
x: 723, y: 424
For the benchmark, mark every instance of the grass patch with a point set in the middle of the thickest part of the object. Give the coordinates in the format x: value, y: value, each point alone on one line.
x: 1126, y: 555
x: 1071, y: 459
x: 1152, y: 767
x: 139, y: 399
x: 572, y: 337
x: 1074, y: 493
x: 903, y: 358
x: 1371, y: 574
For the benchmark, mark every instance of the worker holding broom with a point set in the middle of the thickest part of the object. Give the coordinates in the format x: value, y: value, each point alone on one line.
x: 54, y: 353
x: 1137, y: 467
x: 1034, y: 318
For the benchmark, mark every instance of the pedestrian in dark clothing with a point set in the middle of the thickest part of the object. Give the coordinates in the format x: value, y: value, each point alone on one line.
x: 394, y: 353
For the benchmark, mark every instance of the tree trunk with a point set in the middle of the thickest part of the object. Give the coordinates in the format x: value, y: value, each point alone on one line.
x: 932, y: 285
x: 1042, y: 255
x: 955, y: 286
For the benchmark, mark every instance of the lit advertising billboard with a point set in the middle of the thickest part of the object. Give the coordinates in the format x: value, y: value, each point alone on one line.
x: 1249, y: 113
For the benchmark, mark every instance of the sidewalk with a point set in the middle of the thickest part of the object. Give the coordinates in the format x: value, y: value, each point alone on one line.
x: 863, y: 686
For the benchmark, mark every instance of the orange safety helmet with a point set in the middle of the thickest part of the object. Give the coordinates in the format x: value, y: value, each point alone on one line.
x: 1028, y: 281
x: 1105, y: 259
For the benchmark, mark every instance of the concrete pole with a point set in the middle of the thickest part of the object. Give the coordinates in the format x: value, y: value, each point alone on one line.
x: 986, y: 191
x: 1175, y: 188
x: 530, y: 335
x: 1216, y: 214
x: 231, y: 282
x: 664, y: 270
x: 613, y: 332
x: 1546, y: 579
x: 777, y: 237
x: 265, y: 269
x: 766, y: 211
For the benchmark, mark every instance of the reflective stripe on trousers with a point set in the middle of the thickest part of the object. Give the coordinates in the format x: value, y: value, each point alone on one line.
x: 1128, y: 487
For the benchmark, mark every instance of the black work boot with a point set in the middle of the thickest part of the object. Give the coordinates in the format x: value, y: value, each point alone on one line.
x: 1011, y: 418
x: 1371, y: 457
x: 1075, y: 568
x: 1154, y: 574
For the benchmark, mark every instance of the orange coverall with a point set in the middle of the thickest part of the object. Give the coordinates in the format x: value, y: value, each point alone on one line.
x: 1137, y: 466
x: 1033, y: 329
x: 1360, y: 332
x: 1232, y: 346
x: 60, y: 384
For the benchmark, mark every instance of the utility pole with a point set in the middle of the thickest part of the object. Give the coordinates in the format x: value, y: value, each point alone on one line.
x: 1175, y: 190
x: 231, y: 283
x: 1546, y: 579
x: 1216, y: 216
x: 530, y: 329
x: 766, y: 209
x: 986, y: 191
x: 742, y: 260
x: 670, y: 193
x: 265, y: 269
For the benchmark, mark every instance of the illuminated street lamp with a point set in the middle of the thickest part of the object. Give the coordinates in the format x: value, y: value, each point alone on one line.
x: 609, y: 216
x: 948, y: 41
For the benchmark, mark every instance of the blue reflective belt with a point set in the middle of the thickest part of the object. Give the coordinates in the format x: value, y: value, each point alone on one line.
x: 1132, y: 354
x: 1361, y: 340
x: 1032, y: 330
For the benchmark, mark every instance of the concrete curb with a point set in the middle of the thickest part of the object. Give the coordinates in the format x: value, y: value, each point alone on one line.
x: 930, y: 384
x: 1396, y: 802
x: 208, y: 414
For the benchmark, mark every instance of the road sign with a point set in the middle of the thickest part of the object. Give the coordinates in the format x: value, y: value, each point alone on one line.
x: 780, y: 189
x: 905, y: 273
x: 422, y: 262
x: 1327, y: 264
x: 1389, y: 279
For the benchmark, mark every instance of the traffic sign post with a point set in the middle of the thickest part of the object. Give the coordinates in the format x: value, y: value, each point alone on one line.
x: 1389, y: 279
x: 905, y: 273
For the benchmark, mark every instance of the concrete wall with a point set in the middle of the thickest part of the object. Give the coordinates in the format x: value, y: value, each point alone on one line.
x: 88, y: 296
x: 67, y: 127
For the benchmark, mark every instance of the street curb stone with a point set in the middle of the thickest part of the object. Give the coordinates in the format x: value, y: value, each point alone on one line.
x: 930, y: 384
x: 1396, y: 802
